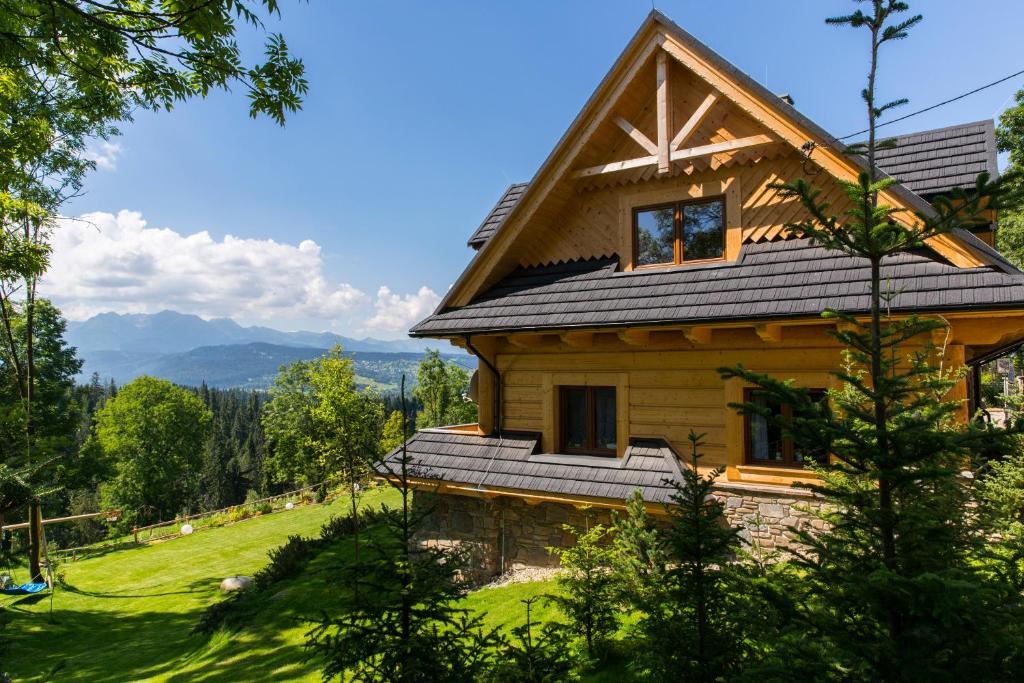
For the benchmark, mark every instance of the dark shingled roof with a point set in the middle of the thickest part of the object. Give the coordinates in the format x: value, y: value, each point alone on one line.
x: 513, y: 462
x: 928, y: 163
x: 770, y: 280
x: 497, y: 215
x: 936, y: 161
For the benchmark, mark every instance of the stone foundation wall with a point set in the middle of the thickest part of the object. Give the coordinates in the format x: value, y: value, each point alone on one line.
x: 507, y: 533
x: 765, y: 516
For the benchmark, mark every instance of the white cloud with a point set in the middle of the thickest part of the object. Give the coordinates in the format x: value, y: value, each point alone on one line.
x: 397, y: 312
x: 102, y: 262
x: 105, y: 153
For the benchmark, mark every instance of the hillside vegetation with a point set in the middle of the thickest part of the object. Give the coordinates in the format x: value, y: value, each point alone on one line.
x: 250, y: 366
x: 128, y: 615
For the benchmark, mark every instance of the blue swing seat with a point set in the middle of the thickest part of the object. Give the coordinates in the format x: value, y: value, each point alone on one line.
x: 24, y: 589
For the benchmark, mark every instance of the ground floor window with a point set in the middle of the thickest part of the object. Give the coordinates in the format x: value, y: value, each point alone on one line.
x: 587, y: 420
x: 766, y: 443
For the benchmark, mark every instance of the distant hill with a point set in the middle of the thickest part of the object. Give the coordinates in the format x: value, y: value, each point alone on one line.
x: 252, y: 366
x: 172, y: 332
x: 189, y: 350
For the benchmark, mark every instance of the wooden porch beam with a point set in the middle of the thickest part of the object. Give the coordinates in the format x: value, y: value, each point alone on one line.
x: 635, y: 337
x: 579, y: 340
x: 526, y: 341
x: 769, y: 332
x: 697, y: 335
x: 637, y: 136
x: 664, y: 161
x: 695, y: 120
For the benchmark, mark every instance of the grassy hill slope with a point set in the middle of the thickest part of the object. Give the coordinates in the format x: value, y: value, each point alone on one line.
x: 127, y: 615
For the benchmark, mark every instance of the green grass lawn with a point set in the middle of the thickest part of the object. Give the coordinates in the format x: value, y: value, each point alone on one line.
x: 127, y: 615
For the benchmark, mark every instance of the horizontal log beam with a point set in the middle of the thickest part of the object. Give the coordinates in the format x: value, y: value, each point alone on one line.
x: 769, y: 332
x: 721, y: 147
x: 726, y: 147
x: 617, y: 166
x: 697, y: 335
x: 579, y: 340
x: 635, y: 337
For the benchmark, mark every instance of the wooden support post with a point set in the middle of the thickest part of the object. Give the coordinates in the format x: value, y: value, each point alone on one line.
x: 769, y: 332
x: 664, y: 162
x: 698, y: 334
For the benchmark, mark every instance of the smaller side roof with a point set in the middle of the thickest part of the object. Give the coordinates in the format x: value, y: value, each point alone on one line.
x: 497, y: 215
x: 512, y: 461
x: 933, y: 162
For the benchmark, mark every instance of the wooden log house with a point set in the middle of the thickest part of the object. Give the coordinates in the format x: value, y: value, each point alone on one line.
x: 648, y: 251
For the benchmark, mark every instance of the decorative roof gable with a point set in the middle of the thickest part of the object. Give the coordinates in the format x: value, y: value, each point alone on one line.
x: 636, y: 126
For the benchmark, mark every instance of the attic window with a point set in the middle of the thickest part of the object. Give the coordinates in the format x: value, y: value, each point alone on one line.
x: 680, y: 232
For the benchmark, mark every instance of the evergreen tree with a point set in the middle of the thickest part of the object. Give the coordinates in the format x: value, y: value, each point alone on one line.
x: 897, y: 587
x: 641, y: 555
x: 403, y: 625
x: 441, y: 388
x: 536, y: 654
x: 692, y: 628
x: 588, y: 594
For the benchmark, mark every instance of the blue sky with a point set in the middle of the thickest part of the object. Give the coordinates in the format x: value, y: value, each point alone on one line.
x: 419, y: 115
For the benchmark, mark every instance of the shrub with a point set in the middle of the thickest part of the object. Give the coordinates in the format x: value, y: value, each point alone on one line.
x: 589, y: 591
x: 285, y: 561
x: 535, y: 655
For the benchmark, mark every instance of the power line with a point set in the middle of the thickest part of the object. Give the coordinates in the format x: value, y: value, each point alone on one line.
x: 936, y: 106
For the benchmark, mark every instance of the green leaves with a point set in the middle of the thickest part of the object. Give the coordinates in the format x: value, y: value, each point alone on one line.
x: 321, y: 425
x: 442, y: 387
x: 154, y: 432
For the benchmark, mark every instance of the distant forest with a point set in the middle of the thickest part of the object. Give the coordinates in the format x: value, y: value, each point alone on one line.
x: 232, y: 460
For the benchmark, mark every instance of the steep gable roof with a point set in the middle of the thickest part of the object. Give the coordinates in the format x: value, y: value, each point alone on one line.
x: 556, y: 180
x: 928, y: 162
x: 497, y: 216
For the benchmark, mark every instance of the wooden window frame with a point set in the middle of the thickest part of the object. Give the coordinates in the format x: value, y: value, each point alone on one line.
x: 788, y: 453
x: 679, y: 255
x: 591, y: 428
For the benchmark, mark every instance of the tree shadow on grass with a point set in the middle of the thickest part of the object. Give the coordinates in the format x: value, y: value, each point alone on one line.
x: 129, y: 592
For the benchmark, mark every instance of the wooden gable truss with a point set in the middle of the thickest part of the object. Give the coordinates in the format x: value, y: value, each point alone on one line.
x: 636, y: 128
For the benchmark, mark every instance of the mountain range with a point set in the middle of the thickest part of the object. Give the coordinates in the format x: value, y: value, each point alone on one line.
x: 189, y: 350
x: 172, y: 332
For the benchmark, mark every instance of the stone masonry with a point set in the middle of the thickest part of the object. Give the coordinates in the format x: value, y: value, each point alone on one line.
x: 764, y: 516
x: 506, y: 533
